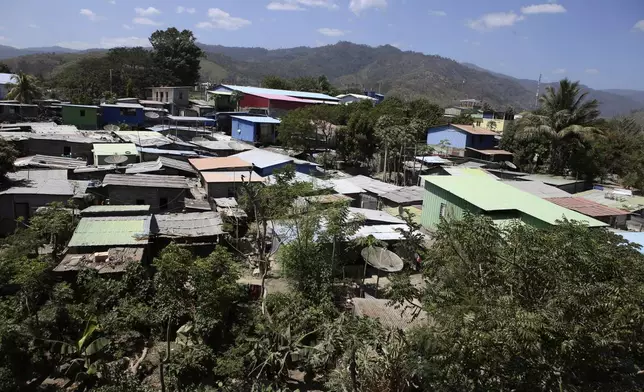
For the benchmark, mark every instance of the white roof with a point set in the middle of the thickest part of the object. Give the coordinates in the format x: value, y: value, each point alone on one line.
x: 358, y: 96
x: 270, y: 91
x: 346, y: 187
x: 375, y: 215
x: 432, y: 159
x: 262, y: 158
x: 318, y: 183
x: 372, y: 185
x: 122, y: 105
x: 381, y: 232
x: 5, y: 78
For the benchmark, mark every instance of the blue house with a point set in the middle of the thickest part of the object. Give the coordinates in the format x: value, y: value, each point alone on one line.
x: 123, y: 113
x: 254, y: 129
x: 462, y: 136
x: 266, y: 162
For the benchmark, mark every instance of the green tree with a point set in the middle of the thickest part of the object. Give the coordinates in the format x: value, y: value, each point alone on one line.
x: 8, y: 155
x: 529, y: 309
x: 297, y: 130
x: 277, y: 83
x: 564, y: 118
x: 4, y: 68
x: 356, y: 143
x: 25, y: 88
x: 177, y: 52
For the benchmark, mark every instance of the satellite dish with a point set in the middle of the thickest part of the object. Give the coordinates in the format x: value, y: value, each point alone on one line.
x: 112, y: 128
x: 382, y: 259
x: 151, y: 115
x: 509, y: 164
x: 116, y: 159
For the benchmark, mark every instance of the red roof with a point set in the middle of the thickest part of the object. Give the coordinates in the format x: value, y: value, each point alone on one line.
x: 586, y: 207
x: 471, y: 129
x: 275, y: 97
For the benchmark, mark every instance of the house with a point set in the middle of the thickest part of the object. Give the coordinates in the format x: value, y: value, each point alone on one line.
x: 151, y: 104
x: 567, y: 184
x: 197, y: 229
x: 274, y: 102
x: 144, y: 138
x: 162, y: 193
x: 346, y: 99
x: 6, y: 80
x: 82, y: 116
x: 232, y: 163
x: 227, y: 184
x: 470, y: 103
x: 612, y: 216
x: 379, y: 97
x: 176, y: 97
x: 450, y: 197
x: 254, y: 129
x: 494, y: 121
x: 115, y: 153
x: 266, y: 162
x: 538, y: 189
x: 162, y: 165
x: 457, y: 139
x: 108, y: 244
x: 373, y: 190
x: 123, y: 113
x: 26, y: 191
x: 13, y: 111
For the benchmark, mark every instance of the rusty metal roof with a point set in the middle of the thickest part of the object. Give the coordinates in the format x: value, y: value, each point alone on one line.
x: 145, y: 180
x: 586, y: 207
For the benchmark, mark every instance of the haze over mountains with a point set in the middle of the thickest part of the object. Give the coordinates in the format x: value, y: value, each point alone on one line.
x: 346, y: 64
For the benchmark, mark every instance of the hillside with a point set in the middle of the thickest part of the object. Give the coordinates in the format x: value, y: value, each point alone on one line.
x: 383, y: 68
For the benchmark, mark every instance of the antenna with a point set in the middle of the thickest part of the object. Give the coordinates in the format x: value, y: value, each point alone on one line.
x: 536, y: 100
x: 112, y: 128
x: 115, y: 159
x: 151, y: 115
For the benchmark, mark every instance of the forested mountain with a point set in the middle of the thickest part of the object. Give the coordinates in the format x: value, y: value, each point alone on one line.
x: 346, y: 64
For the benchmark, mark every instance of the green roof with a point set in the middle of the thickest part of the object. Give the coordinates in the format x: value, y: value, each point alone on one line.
x: 116, y: 208
x: 492, y: 195
x: 101, y: 149
x: 111, y: 231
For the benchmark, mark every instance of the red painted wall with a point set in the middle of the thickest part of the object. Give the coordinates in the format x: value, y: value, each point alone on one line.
x: 287, y: 105
x: 252, y: 101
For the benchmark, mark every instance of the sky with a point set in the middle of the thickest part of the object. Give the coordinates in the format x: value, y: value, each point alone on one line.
x: 600, y: 42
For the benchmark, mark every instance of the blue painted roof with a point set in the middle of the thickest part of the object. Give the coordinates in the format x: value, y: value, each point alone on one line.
x: 290, y: 93
x: 258, y: 120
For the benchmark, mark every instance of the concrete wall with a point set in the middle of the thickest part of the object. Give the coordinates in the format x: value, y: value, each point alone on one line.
x: 456, y: 138
x: 56, y: 148
x: 179, y: 96
x: 83, y: 118
x: 112, y: 115
x: 242, y: 130
x: 8, y: 213
x: 122, y: 195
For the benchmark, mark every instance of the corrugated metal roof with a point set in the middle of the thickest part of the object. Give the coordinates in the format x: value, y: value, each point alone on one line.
x: 116, y: 209
x: 263, y: 159
x: 50, y: 162
x: 372, y: 185
x: 231, y: 176
x: 159, y: 151
x: 258, y: 120
x: 146, y: 181
x: 608, y: 198
x: 291, y: 93
x: 381, y: 232
x: 472, y: 130
x: 552, y: 180
x: 40, y: 182
x: 111, y: 231
x: 191, y: 224
x: 408, y: 194
x: 222, y: 145
x: 232, y: 162
x: 5, y: 78
x: 492, y: 195
x: 491, y: 152
x: 317, y: 183
x: 144, y: 138
x: 191, y: 119
x: 374, y: 216
x: 345, y: 186
x: 122, y: 105
x: 389, y: 316
x: 538, y: 188
x: 144, y: 167
x: 177, y: 164
x: 432, y: 159
x: 102, y: 149
x: 118, y: 259
x: 586, y: 207
x: 468, y: 171
x: 150, y: 102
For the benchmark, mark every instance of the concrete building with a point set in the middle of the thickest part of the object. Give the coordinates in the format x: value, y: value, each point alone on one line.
x: 466, y: 141
x: 162, y: 165
x: 123, y: 113
x: 115, y: 153
x: 160, y: 192
x: 253, y: 129
x: 82, y: 116
x: 13, y: 111
x: 227, y: 184
x: 494, y: 121
x: 177, y: 97
x: 450, y: 197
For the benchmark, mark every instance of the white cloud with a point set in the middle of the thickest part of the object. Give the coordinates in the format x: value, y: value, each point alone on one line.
x: 147, y: 11
x: 145, y: 21
x: 332, y: 32
x: 277, y: 6
x: 358, y: 6
x: 495, y: 20
x: 91, y: 15
x: 127, y: 27
x: 191, y: 10
x: 180, y: 9
x: 550, y: 8
x: 639, y: 25
x: 474, y: 43
x: 111, y: 1
x: 299, y: 5
x: 105, y: 43
x: 437, y: 13
x: 33, y: 26
x: 559, y: 71
x: 220, y: 19
x: 592, y: 71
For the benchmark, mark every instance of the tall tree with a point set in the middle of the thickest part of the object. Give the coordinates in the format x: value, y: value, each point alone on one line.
x: 277, y: 83
x: 564, y: 118
x: 4, y: 68
x: 177, y: 52
x: 25, y: 88
x: 8, y: 155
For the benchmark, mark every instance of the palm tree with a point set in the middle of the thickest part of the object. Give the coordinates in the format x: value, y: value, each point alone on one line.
x: 565, y: 116
x: 24, y: 88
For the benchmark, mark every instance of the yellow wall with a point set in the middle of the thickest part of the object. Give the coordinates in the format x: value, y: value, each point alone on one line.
x: 500, y: 124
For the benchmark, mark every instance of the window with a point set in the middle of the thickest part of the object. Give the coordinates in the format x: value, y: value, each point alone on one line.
x: 140, y: 202
x: 82, y: 113
x: 180, y: 95
x: 67, y: 151
x: 167, y: 97
x: 163, y: 203
x: 442, y: 210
